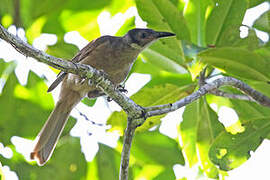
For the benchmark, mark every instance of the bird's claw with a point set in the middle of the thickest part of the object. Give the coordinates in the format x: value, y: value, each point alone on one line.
x: 122, y: 89
x: 109, y: 99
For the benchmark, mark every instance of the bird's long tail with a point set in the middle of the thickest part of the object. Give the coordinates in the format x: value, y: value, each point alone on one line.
x: 51, y: 131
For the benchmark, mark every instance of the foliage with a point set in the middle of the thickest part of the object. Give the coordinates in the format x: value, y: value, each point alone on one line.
x: 207, y: 36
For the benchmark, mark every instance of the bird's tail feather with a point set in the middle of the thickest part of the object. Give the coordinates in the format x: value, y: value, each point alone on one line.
x: 51, y: 131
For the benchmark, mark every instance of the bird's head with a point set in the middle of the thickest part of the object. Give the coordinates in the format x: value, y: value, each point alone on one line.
x: 141, y: 38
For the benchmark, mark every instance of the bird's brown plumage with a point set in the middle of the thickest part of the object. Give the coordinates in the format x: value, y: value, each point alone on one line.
x: 114, y: 56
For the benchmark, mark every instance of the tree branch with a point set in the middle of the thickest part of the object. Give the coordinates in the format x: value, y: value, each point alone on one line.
x: 98, y: 78
x: 207, y: 88
x: 231, y: 96
x: 129, y: 133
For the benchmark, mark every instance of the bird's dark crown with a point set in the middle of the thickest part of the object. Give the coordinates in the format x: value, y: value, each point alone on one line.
x: 143, y: 37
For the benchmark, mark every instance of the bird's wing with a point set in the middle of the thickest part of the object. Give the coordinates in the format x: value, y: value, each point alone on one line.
x: 83, y: 53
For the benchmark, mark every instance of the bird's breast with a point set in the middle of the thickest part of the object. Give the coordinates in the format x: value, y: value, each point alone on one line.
x: 114, y: 61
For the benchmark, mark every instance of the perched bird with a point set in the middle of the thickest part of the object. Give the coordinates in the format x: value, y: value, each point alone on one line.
x: 115, y: 56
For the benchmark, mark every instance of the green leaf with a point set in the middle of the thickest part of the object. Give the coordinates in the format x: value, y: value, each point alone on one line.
x: 195, y: 14
x: 129, y: 24
x: 12, y: 113
x: 238, y: 62
x: 263, y: 22
x: 230, y: 151
x: 163, y: 57
x: 119, y: 6
x: 199, y: 128
x: 163, y: 15
x: 151, y: 147
x: 62, y: 50
x: 253, y: 3
x: 105, y: 165
x: 249, y: 111
x: 222, y: 26
x: 150, y: 96
x: 85, y: 22
x: 250, y: 43
x: 67, y: 160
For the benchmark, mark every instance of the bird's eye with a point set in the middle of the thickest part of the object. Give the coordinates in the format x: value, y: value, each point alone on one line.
x: 143, y: 35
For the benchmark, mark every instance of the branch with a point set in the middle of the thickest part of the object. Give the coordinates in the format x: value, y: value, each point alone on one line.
x: 232, y: 96
x: 129, y: 133
x: 98, y: 78
x: 207, y: 88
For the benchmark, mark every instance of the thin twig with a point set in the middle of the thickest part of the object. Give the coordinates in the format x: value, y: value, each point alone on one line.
x: 225, y: 81
x: 231, y: 96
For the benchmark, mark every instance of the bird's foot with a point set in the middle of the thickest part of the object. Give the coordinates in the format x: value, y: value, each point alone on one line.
x: 109, y: 99
x: 122, y: 89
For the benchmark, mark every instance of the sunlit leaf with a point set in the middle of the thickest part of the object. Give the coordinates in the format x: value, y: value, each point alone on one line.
x: 105, y: 165
x: 263, y: 22
x: 222, y: 26
x: 67, y: 160
x: 238, y: 62
x: 129, y: 24
x: 230, y: 151
x: 195, y: 15
x: 199, y: 128
x: 253, y: 3
x: 62, y: 50
x: 152, y: 147
x: 163, y: 15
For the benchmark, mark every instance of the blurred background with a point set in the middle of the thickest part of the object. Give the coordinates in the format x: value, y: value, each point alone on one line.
x: 91, y: 143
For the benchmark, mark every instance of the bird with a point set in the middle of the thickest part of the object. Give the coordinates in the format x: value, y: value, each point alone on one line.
x: 111, y: 54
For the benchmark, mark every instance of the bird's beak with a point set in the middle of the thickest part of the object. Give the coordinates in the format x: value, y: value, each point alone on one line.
x: 164, y: 34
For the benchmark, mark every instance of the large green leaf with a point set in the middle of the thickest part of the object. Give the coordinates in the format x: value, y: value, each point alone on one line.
x: 253, y: 3
x: 163, y: 57
x: 129, y: 24
x: 156, y: 153
x: 199, y: 128
x: 229, y: 151
x: 30, y: 104
x: 164, y: 15
x: 263, y: 22
x: 67, y: 162
x: 105, y: 165
x: 195, y: 14
x: 18, y: 116
x: 62, y: 50
x: 238, y: 62
x: 150, y: 96
x: 152, y: 147
x: 222, y: 26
